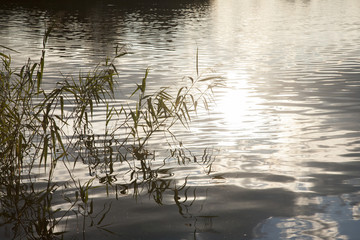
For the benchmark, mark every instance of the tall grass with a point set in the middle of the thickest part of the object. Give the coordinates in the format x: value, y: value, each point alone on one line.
x: 34, y: 134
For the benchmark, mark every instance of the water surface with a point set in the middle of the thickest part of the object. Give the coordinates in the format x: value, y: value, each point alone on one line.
x: 284, y: 128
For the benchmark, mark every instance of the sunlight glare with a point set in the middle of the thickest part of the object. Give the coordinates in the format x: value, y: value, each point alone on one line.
x: 234, y: 103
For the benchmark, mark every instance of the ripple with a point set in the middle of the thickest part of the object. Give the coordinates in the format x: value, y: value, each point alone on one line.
x: 286, y: 117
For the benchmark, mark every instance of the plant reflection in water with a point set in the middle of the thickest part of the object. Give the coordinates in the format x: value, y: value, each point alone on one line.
x: 39, y: 132
x: 158, y: 183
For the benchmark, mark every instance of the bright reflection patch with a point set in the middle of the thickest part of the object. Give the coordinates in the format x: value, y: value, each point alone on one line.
x: 234, y: 103
x: 234, y: 106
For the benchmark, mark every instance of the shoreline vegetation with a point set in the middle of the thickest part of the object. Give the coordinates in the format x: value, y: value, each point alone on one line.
x: 42, y: 131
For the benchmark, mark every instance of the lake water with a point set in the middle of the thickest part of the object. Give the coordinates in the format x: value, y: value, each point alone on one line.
x: 284, y: 129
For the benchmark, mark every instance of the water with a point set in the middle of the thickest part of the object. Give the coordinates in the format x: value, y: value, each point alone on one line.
x: 284, y: 128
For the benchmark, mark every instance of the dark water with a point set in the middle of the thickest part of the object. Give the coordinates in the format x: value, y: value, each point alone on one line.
x: 284, y: 129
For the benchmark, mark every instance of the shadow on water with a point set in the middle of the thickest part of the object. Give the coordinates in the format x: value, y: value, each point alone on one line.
x: 92, y: 4
x: 86, y: 28
x: 335, y: 178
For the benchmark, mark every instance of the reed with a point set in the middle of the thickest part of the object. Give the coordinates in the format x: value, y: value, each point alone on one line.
x: 34, y: 134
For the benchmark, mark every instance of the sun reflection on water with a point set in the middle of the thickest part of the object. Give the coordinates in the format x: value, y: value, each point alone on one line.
x: 236, y: 103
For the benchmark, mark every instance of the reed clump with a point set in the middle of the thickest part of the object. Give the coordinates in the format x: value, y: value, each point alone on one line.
x: 39, y: 131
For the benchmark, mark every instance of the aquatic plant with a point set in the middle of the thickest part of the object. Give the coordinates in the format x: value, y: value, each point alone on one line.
x: 38, y: 132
